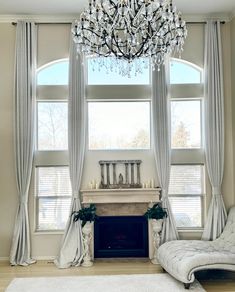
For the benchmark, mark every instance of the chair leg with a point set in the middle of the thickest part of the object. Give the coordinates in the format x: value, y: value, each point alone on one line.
x: 186, y: 286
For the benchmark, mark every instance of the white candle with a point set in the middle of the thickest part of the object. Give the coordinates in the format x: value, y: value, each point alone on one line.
x: 93, y: 183
x: 90, y: 185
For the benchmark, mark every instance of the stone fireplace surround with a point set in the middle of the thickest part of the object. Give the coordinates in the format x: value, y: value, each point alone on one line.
x: 122, y: 202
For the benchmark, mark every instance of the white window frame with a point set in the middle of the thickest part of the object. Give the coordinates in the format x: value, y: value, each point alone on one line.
x: 47, y: 101
x: 48, y: 158
x: 190, y: 156
x: 201, y: 99
x: 96, y: 93
x: 118, y: 93
x: 121, y: 100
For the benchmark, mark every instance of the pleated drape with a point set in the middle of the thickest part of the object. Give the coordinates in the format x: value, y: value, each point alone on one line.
x: 24, y: 107
x: 214, y: 129
x: 71, y: 251
x: 162, y: 145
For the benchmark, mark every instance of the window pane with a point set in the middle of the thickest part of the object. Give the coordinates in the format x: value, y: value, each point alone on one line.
x: 183, y: 73
x: 101, y: 76
x: 53, y: 181
x: 186, y: 124
x: 187, y: 211
x: 119, y: 125
x: 53, y: 213
x: 54, y: 74
x: 53, y: 197
x: 186, y: 180
x: 52, y: 125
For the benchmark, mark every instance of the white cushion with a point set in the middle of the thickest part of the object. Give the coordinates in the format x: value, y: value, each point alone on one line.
x: 181, y: 258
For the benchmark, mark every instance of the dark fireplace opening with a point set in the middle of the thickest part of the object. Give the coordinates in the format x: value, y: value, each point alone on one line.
x: 121, y: 236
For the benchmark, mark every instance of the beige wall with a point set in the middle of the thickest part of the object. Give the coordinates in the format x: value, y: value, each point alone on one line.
x: 53, y: 42
x: 8, y: 198
x: 193, y: 48
x: 47, y: 245
x: 233, y: 91
x: 228, y: 181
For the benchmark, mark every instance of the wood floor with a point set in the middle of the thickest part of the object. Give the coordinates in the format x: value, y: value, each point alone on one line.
x: 210, y: 282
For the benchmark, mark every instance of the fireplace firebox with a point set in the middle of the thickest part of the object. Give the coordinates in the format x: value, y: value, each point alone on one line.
x: 121, y: 236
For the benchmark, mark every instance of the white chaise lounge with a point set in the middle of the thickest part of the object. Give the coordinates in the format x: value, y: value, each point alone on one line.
x: 181, y: 258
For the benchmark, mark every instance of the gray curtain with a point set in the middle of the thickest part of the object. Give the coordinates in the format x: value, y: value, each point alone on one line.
x: 24, y: 136
x: 71, y: 251
x: 214, y: 129
x: 162, y: 144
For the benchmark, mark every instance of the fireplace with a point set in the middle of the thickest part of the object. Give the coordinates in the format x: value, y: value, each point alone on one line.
x: 121, y: 236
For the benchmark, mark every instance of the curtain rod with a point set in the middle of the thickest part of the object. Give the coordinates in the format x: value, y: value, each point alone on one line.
x: 15, y: 23
x: 187, y: 22
x: 202, y: 22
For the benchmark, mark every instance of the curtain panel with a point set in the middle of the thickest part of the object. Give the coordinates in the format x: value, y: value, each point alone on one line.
x: 214, y: 129
x: 162, y: 144
x: 24, y: 107
x: 71, y: 251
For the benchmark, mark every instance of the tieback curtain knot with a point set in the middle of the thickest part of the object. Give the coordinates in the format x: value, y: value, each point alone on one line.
x: 76, y: 194
x: 216, y: 191
x: 164, y: 194
x: 24, y: 200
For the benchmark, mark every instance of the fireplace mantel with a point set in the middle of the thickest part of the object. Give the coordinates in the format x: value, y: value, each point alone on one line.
x: 123, y: 196
x: 106, y: 196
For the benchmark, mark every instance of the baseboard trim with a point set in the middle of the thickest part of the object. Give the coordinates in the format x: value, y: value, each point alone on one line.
x: 38, y: 258
x: 4, y: 259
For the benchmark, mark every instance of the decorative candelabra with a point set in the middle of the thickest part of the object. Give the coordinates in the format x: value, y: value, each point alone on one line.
x: 130, y: 178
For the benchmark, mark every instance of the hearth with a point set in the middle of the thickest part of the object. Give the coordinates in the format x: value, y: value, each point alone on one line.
x: 121, y: 236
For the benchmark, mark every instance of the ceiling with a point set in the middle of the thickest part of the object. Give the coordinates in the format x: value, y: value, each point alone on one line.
x: 66, y: 7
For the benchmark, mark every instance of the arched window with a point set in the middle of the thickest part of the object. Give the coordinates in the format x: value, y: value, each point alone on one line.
x: 53, y: 196
x: 183, y: 72
x: 53, y: 73
x: 186, y: 188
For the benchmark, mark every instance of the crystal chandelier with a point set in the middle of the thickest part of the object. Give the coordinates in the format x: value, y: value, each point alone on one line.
x: 130, y: 31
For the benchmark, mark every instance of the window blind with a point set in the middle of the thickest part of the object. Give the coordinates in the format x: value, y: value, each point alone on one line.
x: 186, y: 180
x: 53, y: 197
x: 185, y: 191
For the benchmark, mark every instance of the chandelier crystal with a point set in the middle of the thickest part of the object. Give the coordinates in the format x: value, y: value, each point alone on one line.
x: 130, y: 31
